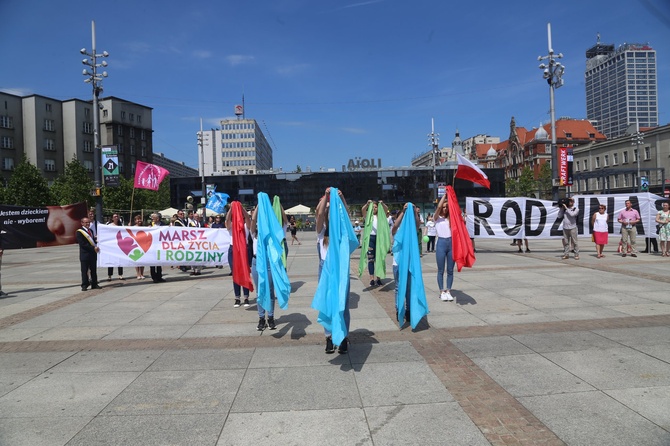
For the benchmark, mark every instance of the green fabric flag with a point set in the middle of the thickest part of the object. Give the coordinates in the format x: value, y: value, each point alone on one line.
x: 365, y: 240
x: 383, y: 241
x: 276, y: 208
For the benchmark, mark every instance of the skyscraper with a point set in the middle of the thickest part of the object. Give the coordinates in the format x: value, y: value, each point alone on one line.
x: 621, y: 87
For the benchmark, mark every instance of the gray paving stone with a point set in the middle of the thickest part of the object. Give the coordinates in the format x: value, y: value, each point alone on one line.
x: 203, y: 359
x: 34, y: 362
x: 10, y: 381
x: 151, y: 430
x: 638, y: 336
x: 178, y: 392
x: 326, y: 427
x: 425, y: 424
x: 491, y: 346
x: 564, y: 341
x: 40, y: 431
x: 652, y: 403
x: 108, y: 361
x: 592, y: 418
x: 172, y: 331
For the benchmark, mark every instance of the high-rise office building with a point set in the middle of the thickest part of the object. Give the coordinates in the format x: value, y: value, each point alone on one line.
x: 621, y: 87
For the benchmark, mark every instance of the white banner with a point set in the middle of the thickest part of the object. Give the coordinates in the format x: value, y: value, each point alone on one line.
x: 520, y: 217
x: 162, y: 245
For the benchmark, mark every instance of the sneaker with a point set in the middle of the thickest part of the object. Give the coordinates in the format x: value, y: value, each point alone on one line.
x: 566, y: 257
x: 379, y: 282
x: 329, y: 345
x: 261, y: 324
x: 237, y: 303
x: 520, y: 250
x: 271, y: 323
x: 527, y: 250
x: 372, y: 283
x: 246, y: 302
x: 109, y: 278
x: 623, y: 255
x: 633, y: 255
x: 344, y: 346
x: 443, y: 296
x: 576, y: 257
x: 449, y: 298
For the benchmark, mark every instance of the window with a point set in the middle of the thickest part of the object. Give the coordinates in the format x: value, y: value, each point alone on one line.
x: 132, y: 149
x: 105, y: 113
x: 88, y: 146
x: 47, y: 107
x: 576, y: 166
x: 139, y: 119
x: 121, y: 169
x: 49, y: 125
x: 586, y: 164
x: 7, y: 142
x: 88, y: 165
x: 625, y: 180
x: 132, y: 132
x: 615, y: 159
x: 592, y: 135
x: 625, y: 160
x: 6, y: 122
x: 49, y: 144
x: 568, y: 135
x: 8, y: 164
x: 647, y: 153
x: 123, y: 115
x: 144, y: 151
x: 88, y: 128
x: 119, y: 130
x: 635, y: 156
x: 87, y: 112
x: 120, y: 146
x: 131, y: 116
x: 50, y: 165
x: 143, y: 136
x: 597, y: 162
x: 606, y: 160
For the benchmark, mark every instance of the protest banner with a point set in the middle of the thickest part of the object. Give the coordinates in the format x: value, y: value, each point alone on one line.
x: 30, y: 227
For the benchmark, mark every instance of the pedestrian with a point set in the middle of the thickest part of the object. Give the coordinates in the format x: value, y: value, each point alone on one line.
x: 88, y: 255
x: 336, y: 241
x: 518, y: 243
x: 156, y: 271
x: 628, y: 218
x: 218, y: 224
x: 115, y: 221
x: 293, y: 227
x: 2, y: 293
x: 376, y: 241
x: 444, y: 249
x: 663, y: 220
x: 600, y: 229
x: 358, y: 229
x: 568, y: 212
x: 139, y: 270
x: 238, y: 222
x: 196, y: 222
x: 431, y: 233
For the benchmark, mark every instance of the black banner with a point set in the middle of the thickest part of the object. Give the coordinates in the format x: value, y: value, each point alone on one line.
x: 30, y: 227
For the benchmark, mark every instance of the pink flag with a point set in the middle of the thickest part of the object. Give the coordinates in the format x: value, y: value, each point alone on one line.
x: 470, y: 172
x: 149, y: 176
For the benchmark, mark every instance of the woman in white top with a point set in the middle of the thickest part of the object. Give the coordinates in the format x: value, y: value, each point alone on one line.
x: 431, y: 232
x: 600, y: 229
x: 443, y: 249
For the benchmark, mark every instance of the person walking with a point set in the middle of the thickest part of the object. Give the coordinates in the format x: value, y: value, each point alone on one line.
x: 293, y: 228
x: 600, y: 229
x: 628, y: 218
x: 569, y: 213
x: 444, y: 249
x: 238, y: 222
x: 663, y: 220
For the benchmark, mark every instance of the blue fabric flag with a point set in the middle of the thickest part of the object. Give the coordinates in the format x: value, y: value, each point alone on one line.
x: 269, y: 252
x: 217, y: 202
x: 332, y: 292
x: 408, y: 259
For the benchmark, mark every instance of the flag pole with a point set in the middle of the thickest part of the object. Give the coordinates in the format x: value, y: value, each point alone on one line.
x: 132, y: 198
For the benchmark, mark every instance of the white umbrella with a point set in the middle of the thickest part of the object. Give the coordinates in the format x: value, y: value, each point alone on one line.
x: 299, y: 209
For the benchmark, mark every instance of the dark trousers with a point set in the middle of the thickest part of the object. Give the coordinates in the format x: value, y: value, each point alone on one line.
x: 86, y: 266
x: 156, y: 273
x: 430, y: 246
x: 110, y: 271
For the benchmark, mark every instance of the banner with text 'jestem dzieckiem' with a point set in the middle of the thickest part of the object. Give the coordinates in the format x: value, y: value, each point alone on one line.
x: 162, y: 245
x: 521, y: 217
x: 37, y: 226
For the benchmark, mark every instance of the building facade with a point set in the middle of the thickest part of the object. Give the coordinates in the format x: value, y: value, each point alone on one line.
x: 177, y: 169
x: 621, y: 87
x: 239, y: 147
x: 51, y: 133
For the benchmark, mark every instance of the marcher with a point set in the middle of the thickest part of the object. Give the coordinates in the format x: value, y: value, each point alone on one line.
x: 139, y: 270
x: 238, y: 222
x: 444, y: 249
x: 600, y: 229
x: 431, y: 233
x: 518, y: 242
x: 157, y: 271
x: 628, y: 218
x: 293, y: 227
x: 663, y: 220
x: 218, y: 224
x: 88, y: 255
x: 196, y: 222
x: 569, y: 213
x: 336, y: 242
x: 116, y: 221
x: 376, y: 241
x: 358, y: 229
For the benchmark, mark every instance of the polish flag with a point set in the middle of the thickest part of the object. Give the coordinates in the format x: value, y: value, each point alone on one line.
x: 468, y: 171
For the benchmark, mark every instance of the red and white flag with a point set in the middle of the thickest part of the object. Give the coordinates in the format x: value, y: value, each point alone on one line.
x: 149, y: 176
x: 468, y: 171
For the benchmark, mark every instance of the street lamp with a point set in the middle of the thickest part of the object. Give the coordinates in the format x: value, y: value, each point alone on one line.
x: 434, y: 139
x: 553, y: 73
x: 638, y: 138
x: 203, y: 200
x: 95, y: 79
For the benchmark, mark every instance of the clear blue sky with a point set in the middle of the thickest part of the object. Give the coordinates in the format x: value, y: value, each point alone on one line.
x: 327, y: 80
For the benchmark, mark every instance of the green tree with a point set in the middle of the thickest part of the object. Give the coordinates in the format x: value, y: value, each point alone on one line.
x: 74, y: 185
x: 153, y: 200
x: 27, y: 186
x: 298, y: 169
x: 524, y: 186
x: 118, y: 197
x: 545, y: 181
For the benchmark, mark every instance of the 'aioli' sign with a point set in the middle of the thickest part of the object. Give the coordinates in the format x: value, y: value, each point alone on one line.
x: 360, y: 163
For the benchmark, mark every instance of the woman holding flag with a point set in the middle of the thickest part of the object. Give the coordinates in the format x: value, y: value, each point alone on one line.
x: 238, y: 223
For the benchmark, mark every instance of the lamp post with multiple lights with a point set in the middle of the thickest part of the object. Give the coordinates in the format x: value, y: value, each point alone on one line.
x: 552, y: 72
x: 95, y: 79
x: 637, y: 138
x: 434, y: 139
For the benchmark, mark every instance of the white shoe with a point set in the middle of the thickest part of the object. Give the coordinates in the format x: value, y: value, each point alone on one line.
x: 449, y: 297
x: 444, y: 296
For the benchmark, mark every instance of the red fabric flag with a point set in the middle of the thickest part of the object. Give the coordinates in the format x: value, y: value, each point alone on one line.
x: 241, y: 270
x: 461, y: 245
x: 468, y: 171
x: 149, y: 176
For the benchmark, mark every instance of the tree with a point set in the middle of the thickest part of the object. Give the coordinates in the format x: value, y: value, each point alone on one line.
x: 298, y: 169
x: 118, y: 197
x: 153, y: 200
x: 524, y: 186
x: 27, y: 186
x: 74, y: 185
x: 545, y: 181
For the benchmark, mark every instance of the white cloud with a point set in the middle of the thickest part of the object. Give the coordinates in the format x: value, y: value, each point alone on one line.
x: 239, y: 59
x: 289, y: 70
x: 202, y: 54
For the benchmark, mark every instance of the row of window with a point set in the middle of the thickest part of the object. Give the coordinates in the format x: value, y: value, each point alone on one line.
x: 237, y: 135
x: 239, y: 126
x: 6, y: 122
x: 615, y: 181
x: 239, y: 154
x: 239, y: 163
x: 615, y: 159
x: 131, y: 116
x: 238, y: 145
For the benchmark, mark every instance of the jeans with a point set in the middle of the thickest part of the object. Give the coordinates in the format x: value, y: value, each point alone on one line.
x: 254, y: 276
x: 570, y: 236
x: 372, y: 253
x: 444, y: 254
x: 236, y: 288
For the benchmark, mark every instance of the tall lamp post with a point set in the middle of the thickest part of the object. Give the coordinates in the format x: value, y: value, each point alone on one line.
x: 434, y: 139
x: 95, y: 79
x: 552, y: 72
x: 638, y: 138
x: 203, y: 200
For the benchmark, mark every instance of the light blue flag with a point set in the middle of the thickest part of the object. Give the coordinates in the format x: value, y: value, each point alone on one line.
x: 269, y: 250
x: 217, y: 201
x: 408, y: 258
x: 332, y: 292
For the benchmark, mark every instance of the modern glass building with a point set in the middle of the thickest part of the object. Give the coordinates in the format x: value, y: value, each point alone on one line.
x: 621, y: 87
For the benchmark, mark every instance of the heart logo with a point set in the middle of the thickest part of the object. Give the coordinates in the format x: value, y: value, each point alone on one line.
x: 127, y: 244
x: 136, y: 255
x: 143, y: 238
